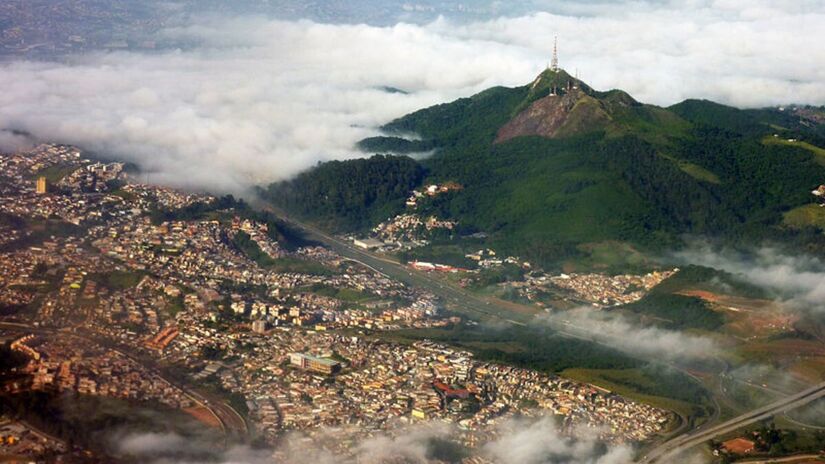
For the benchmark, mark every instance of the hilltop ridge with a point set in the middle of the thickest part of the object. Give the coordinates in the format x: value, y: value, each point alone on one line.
x: 556, y: 169
x: 559, y: 105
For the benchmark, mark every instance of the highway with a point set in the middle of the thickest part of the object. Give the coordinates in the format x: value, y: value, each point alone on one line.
x: 462, y: 301
x: 456, y: 298
x: 676, y: 446
x: 468, y: 303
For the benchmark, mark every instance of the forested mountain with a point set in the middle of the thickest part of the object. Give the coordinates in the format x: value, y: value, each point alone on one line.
x: 349, y: 195
x: 554, y: 168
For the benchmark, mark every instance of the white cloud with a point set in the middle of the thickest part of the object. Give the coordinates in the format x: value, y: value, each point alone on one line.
x: 156, y: 442
x: 648, y: 342
x: 515, y: 441
x: 797, y: 280
x: 258, y: 100
x: 539, y: 442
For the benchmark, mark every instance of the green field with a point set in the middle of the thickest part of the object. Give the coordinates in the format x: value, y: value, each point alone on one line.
x: 56, y: 173
x: 244, y: 243
x: 698, y: 172
x: 695, y: 171
x: 818, y: 152
x: 299, y: 266
x: 444, y: 252
x: 676, y: 312
x: 174, y: 306
x: 611, y: 256
x: 693, y: 277
x: 805, y: 216
x: 118, y: 280
x: 349, y: 295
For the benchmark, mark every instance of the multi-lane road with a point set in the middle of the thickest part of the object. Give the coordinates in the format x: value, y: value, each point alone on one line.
x: 468, y: 303
x: 670, y: 449
x: 458, y: 299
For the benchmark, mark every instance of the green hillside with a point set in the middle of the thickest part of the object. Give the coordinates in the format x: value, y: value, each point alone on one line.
x: 551, y: 168
x: 349, y: 195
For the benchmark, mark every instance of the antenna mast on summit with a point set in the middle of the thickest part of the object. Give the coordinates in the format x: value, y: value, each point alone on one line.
x: 554, y: 65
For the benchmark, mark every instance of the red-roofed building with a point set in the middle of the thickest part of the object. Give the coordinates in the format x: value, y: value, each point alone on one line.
x: 739, y: 446
x: 448, y: 392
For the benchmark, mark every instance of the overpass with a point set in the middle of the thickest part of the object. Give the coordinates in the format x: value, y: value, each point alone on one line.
x: 676, y: 446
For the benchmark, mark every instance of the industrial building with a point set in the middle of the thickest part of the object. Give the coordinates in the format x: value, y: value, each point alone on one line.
x: 314, y: 364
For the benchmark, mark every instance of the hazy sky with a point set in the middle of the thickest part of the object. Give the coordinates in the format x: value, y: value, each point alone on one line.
x: 259, y: 99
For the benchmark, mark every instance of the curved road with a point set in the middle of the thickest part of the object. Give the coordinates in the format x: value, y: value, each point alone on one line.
x: 676, y: 446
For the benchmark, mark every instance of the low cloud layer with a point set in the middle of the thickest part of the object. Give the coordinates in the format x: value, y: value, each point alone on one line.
x: 257, y: 100
x: 796, y: 280
x: 538, y: 442
x: 515, y: 441
x: 647, y: 342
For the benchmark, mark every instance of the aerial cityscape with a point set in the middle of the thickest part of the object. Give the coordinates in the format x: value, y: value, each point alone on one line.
x: 410, y: 232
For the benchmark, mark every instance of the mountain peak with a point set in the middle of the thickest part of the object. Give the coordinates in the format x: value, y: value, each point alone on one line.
x: 557, y: 104
x: 551, y: 80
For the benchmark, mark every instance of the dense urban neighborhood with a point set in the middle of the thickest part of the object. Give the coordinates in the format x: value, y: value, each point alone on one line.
x: 110, y: 283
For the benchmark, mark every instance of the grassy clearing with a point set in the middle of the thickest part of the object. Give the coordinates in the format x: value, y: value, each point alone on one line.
x: 449, y: 253
x: 677, y: 312
x: 698, y: 172
x: 609, y: 256
x: 243, y: 242
x: 175, y: 306
x: 804, y: 216
x: 344, y: 294
x: 818, y: 152
x: 56, y: 173
x: 747, y: 397
x: 811, y: 368
x: 299, y: 266
x: 118, y: 280
x: 694, y: 170
x: 126, y: 195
